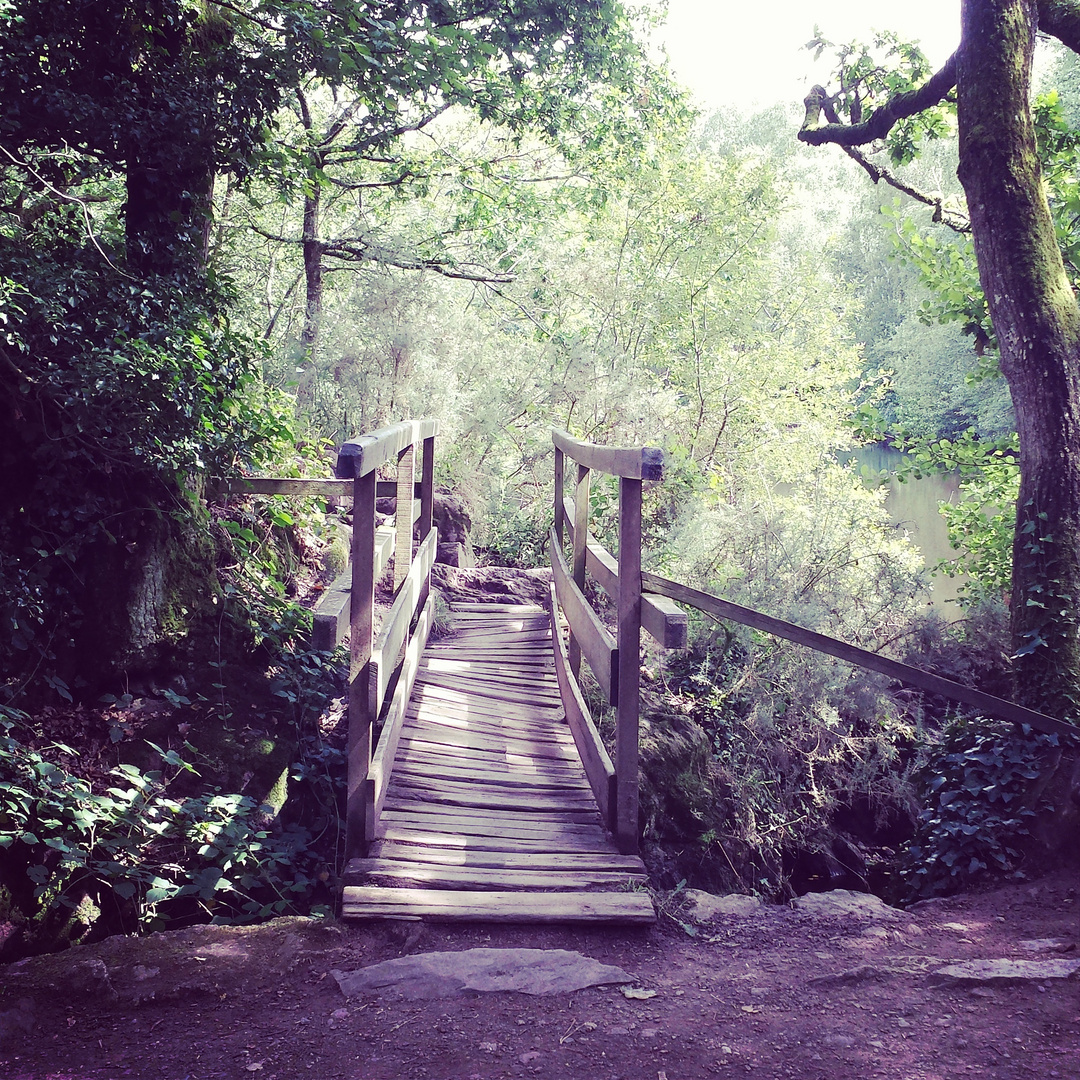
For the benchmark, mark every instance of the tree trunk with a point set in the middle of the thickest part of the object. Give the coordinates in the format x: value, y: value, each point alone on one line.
x: 1037, y: 322
x: 313, y: 281
x: 169, y: 214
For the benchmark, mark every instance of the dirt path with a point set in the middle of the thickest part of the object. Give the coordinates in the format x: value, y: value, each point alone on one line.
x: 777, y: 994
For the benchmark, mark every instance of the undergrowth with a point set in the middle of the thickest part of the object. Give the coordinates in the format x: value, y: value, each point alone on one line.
x: 226, y: 809
x: 980, y: 792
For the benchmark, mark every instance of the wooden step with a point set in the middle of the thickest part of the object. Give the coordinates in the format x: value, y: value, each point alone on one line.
x: 372, y: 902
x: 433, y: 875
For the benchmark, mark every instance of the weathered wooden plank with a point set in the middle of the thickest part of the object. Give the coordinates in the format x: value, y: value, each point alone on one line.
x: 594, y: 757
x: 507, y: 665
x: 486, y: 822
x: 431, y: 753
x: 504, y: 618
x: 358, y: 457
x: 630, y: 908
x: 382, y: 763
x: 490, y: 796
x: 660, y: 616
x: 597, y: 644
x: 472, y: 877
x: 267, y: 485
x: 443, y: 701
x: 432, y: 726
x: 424, y: 801
x: 495, y: 638
x: 519, y: 609
x: 483, y: 689
x: 517, y: 860
x: 923, y: 680
x: 387, y: 646
x: 507, y: 841
x: 636, y: 463
x: 492, y: 688
x: 491, y: 775
x: 453, y: 742
x: 441, y: 688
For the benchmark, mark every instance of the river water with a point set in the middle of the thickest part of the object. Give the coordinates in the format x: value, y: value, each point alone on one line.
x: 914, y: 506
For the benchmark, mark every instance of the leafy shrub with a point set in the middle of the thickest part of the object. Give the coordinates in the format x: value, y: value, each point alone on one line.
x: 139, y: 855
x: 980, y: 792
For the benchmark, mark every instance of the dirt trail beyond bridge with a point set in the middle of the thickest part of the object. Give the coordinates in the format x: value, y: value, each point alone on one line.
x: 774, y: 993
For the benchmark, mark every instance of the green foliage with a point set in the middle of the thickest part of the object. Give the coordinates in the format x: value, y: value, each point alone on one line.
x: 142, y: 855
x: 869, y: 75
x: 119, y: 398
x: 1059, y: 142
x: 981, y: 523
x: 948, y: 269
x: 979, y: 789
x: 752, y: 749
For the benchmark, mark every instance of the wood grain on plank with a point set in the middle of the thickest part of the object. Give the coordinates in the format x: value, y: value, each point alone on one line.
x: 498, y: 906
x: 521, y: 860
x: 452, y: 877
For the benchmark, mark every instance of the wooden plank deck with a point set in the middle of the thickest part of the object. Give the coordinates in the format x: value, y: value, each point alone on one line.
x: 489, y: 815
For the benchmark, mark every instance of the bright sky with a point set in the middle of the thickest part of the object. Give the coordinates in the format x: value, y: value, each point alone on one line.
x: 749, y: 54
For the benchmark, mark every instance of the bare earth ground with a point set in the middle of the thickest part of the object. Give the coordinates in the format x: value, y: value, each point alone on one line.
x: 778, y: 994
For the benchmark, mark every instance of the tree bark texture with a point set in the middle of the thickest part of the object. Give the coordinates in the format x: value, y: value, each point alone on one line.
x: 1037, y: 322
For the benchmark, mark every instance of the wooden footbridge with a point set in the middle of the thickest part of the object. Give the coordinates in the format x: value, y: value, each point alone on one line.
x: 478, y: 785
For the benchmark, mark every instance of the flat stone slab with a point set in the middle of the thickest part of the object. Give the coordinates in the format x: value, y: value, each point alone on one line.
x: 703, y: 906
x: 986, y: 972
x: 845, y: 904
x: 480, y: 971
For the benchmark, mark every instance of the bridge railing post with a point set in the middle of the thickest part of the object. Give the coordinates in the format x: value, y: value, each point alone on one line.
x: 614, y: 660
x: 628, y: 705
x: 581, y: 541
x: 361, y: 626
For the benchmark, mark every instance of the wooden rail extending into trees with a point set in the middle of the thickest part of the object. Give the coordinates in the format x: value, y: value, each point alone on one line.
x: 644, y: 599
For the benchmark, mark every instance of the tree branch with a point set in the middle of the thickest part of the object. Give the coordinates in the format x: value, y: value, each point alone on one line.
x: 881, y: 120
x: 363, y: 251
x: 949, y: 218
x: 1061, y: 19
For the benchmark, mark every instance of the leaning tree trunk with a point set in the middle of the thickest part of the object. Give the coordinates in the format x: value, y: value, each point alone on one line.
x: 1037, y: 322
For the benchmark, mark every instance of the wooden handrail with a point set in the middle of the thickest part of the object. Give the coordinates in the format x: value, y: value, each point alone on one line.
x: 358, y: 457
x: 633, y: 463
x: 375, y: 667
x: 905, y: 673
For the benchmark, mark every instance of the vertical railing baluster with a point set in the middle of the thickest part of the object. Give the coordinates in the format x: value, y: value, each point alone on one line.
x: 361, y: 615
x: 629, y: 640
x: 403, y: 519
x: 560, y: 532
x: 427, y: 501
x: 581, y: 538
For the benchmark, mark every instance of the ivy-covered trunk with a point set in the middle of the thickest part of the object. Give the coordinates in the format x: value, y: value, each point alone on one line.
x: 1037, y: 322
